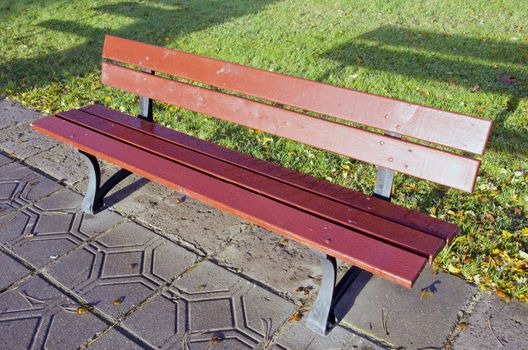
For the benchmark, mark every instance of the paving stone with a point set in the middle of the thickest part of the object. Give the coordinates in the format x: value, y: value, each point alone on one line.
x: 12, y: 114
x: 12, y: 270
x: 296, y: 336
x: 194, y: 222
x: 62, y: 162
x: 38, y: 316
x: 137, y: 196
x: 128, y: 263
x: 495, y: 324
x: 5, y: 160
x: 289, y: 265
x: 116, y: 338
x: 20, y: 185
x: 412, y: 321
x: 17, y: 138
x: 210, y: 306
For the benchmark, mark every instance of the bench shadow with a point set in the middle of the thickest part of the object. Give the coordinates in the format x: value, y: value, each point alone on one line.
x: 347, y: 300
x: 117, y: 196
x: 453, y: 59
x: 154, y: 25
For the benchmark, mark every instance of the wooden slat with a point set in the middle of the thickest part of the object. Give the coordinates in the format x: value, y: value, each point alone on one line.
x: 372, y: 255
x: 355, y: 199
x: 405, y: 237
x: 409, y: 158
x: 425, y: 123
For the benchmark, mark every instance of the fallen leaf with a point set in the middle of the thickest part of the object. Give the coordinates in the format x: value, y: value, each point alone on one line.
x: 108, y: 98
x: 517, y: 211
x: 463, y: 325
x: 201, y: 288
x: 181, y: 199
x: 507, y: 79
x: 501, y: 294
x: 475, y: 88
x: 296, y: 317
x: 489, y: 217
x: 283, y: 242
x: 424, y: 294
x: 83, y: 309
x: 119, y: 300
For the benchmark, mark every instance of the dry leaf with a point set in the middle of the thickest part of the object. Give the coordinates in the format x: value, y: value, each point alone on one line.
x: 83, y: 309
x: 502, y: 294
x: 296, y: 317
x: 424, y: 294
x: 181, y: 199
x: 119, y: 300
x: 201, y: 288
x: 463, y: 325
x: 475, y: 88
x: 489, y: 217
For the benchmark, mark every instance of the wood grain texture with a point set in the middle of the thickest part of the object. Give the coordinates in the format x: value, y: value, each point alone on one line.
x: 425, y: 123
x: 388, y: 231
x: 413, y: 159
x: 347, y: 196
x: 393, y: 263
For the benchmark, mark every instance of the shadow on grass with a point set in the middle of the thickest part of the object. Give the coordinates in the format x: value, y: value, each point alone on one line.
x: 151, y: 24
x: 454, y: 59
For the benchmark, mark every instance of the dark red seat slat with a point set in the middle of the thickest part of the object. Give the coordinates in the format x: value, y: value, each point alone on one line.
x: 349, y: 197
x: 394, y: 263
x: 380, y: 228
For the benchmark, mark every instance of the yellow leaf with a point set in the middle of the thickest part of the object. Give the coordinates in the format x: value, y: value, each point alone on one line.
x: 463, y: 325
x: 450, y: 212
x: 296, y: 316
x: 501, y: 294
x: 108, y: 98
x: 83, y: 309
x: 424, y: 294
x: 118, y: 301
x: 258, y: 132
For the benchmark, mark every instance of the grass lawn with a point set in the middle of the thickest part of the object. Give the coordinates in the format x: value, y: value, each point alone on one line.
x: 430, y: 52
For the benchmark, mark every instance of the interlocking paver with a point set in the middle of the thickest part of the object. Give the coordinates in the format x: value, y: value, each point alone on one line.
x: 289, y: 265
x: 5, y: 160
x: 495, y: 324
x: 211, y: 305
x: 116, y: 338
x: 405, y: 317
x: 296, y: 336
x: 36, y: 315
x: 20, y: 185
x: 128, y: 263
x: 62, y: 162
x: 12, y: 270
x: 47, y: 229
x: 191, y: 221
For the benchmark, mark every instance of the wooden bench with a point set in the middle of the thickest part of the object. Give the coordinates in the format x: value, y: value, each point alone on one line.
x: 365, y: 231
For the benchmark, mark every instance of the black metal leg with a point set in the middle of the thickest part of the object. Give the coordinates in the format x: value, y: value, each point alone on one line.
x: 94, y: 198
x: 322, y: 318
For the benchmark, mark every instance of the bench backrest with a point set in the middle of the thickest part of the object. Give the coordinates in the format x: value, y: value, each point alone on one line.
x: 414, y: 122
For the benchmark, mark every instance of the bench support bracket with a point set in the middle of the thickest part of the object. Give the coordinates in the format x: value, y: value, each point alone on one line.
x: 95, y: 193
x: 385, y: 178
x: 322, y: 319
x: 145, y: 104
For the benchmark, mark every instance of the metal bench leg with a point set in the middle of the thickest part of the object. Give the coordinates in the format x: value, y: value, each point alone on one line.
x: 322, y: 318
x: 95, y: 193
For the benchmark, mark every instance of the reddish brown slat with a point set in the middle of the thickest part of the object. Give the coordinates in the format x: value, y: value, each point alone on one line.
x: 388, y: 231
x: 356, y: 199
x: 409, y: 158
x: 367, y: 253
x: 425, y: 123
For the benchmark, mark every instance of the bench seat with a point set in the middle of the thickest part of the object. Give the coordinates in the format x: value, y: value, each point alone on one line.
x: 365, y: 231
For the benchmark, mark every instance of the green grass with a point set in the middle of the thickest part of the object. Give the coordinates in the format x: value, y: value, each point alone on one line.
x: 428, y: 52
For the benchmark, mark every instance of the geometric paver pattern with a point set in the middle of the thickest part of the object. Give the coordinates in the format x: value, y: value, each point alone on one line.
x: 160, y: 271
x: 134, y: 288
